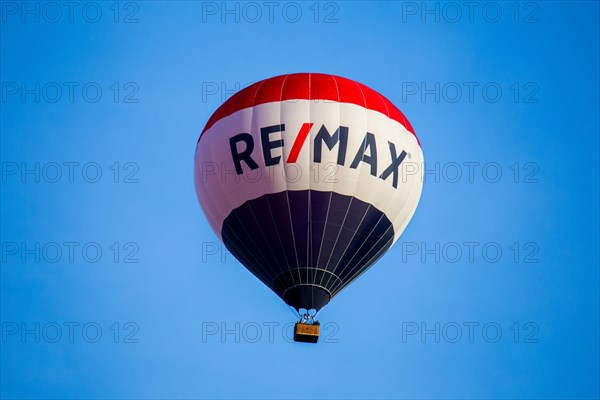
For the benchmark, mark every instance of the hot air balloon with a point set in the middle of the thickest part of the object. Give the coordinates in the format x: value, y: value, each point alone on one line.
x: 305, y: 178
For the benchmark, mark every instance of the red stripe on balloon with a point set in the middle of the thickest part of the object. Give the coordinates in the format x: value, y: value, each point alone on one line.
x: 300, y: 139
x: 309, y: 86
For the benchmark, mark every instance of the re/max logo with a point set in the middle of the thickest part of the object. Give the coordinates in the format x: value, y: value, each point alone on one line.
x: 242, y: 147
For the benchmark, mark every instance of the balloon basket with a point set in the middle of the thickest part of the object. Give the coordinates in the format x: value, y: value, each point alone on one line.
x: 307, y: 333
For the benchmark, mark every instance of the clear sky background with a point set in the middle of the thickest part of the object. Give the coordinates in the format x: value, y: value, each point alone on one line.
x: 432, y: 319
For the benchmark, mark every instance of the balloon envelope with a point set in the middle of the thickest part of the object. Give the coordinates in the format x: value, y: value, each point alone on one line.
x: 308, y: 179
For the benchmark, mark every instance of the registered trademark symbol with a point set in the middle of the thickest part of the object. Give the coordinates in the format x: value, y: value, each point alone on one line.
x: 408, y: 155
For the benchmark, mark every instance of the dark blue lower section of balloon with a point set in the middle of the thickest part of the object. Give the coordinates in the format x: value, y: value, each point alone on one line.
x: 307, y: 245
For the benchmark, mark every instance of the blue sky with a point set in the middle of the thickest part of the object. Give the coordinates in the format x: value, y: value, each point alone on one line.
x: 492, y: 291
